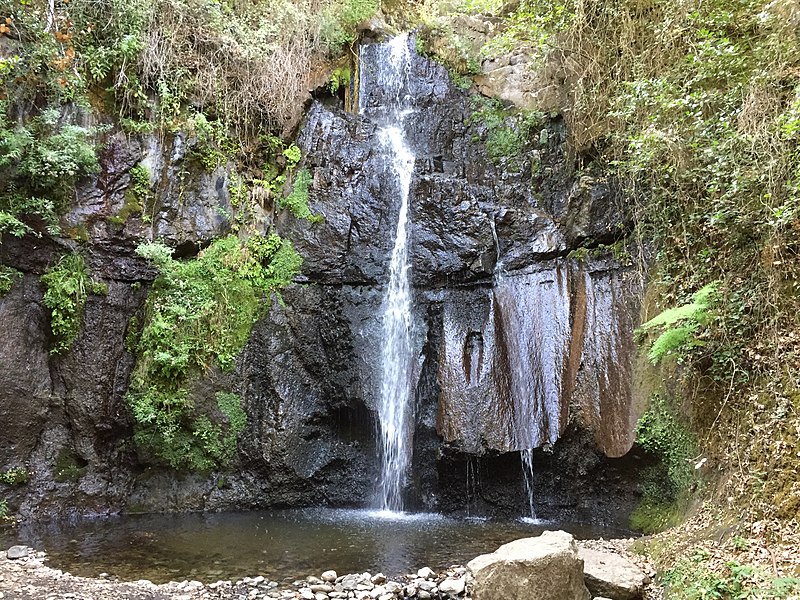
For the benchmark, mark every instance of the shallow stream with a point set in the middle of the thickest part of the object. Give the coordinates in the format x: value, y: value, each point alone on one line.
x: 280, y: 545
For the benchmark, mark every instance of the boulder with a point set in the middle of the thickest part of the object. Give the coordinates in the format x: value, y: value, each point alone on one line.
x: 611, y: 575
x: 547, y: 567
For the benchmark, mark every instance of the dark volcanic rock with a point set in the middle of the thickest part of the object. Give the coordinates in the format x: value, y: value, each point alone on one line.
x: 515, y: 345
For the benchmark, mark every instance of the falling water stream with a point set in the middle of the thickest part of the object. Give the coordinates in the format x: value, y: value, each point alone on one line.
x: 390, y: 71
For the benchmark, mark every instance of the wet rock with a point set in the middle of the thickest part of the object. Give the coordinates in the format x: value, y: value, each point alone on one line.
x: 611, y: 575
x: 426, y: 573
x: 542, y: 568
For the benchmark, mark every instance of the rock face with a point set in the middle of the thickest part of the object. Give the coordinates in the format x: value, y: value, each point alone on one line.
x: 610, y: 575
x: 517, y: 343
x: 543, y: 568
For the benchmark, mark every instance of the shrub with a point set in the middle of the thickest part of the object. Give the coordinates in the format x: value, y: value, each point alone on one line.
x: 67, y: 286
x: 40, y: 162
x: 506, y: 133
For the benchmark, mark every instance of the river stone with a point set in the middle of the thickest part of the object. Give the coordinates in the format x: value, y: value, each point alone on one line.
x: 393, y: 587
x: 453, y: 587
x: 541, y: 568
x: 426, y: 573
x: 16, y: 552
x: 329, y: 576
x: 611, y: 575
x: 350, y: 582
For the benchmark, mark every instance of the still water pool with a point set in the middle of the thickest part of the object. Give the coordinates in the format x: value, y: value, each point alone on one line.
x: 280, y: 545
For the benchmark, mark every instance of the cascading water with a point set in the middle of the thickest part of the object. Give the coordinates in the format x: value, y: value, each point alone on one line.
x: 527, y: 473
x: 389, y: 69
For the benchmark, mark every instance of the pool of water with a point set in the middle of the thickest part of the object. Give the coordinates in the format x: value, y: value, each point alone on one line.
x: 280, y: 545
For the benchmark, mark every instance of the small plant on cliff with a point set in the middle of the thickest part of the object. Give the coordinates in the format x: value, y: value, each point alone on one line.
x: 15, y: 476
x: 198, y: 316
x: 679, y: 325
x: 297, y: 200
x: 504, y: 132
x: 8, y: 276
x: 67, y: 286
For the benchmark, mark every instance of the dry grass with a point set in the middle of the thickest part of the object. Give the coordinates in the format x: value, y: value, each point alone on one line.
x: 251, y: 70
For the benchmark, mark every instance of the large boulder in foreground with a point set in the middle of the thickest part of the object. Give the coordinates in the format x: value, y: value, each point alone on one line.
x: 547, y: 567
x: 612, y: 576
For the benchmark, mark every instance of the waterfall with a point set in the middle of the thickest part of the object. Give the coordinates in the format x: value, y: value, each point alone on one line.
x: 527, y: 473
x: 388, y: 68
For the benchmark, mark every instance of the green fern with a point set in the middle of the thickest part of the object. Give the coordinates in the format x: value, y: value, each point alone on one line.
x: 679, y: 324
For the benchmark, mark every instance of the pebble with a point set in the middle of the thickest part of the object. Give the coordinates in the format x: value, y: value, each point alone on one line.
x: 421, y: 585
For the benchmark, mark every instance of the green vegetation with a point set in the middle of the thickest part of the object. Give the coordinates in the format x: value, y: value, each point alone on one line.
x: 136, y: 196
x: 198, y: 315
x: 439, y: 41
x: 693, y: 578
x: 8, y: 276
x: 666, y: 486
x: 40, y: 161
x: 297, y: 200
x: 506, y: 133
x: 15, y: 476
x: 69, y: 467
x: 339, y: 20
x: 240, y: 63
x: 679, y: 325
x: 67, y: 286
